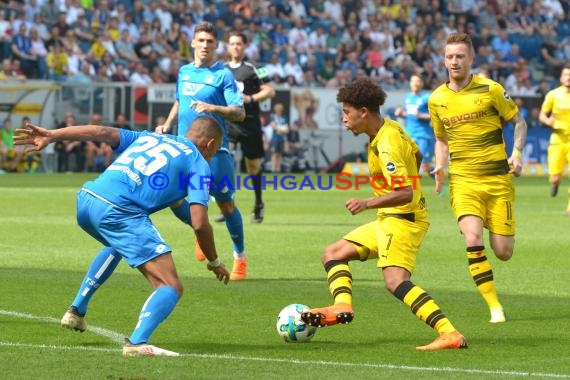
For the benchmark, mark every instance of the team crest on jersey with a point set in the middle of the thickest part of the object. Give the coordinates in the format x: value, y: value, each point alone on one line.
x: 506, y: 95
x: 390, y: 167
x: 189, y: 88
x: 209, y: 79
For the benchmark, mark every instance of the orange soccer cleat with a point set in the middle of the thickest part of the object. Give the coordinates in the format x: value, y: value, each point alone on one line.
x: 452, y: 340
x: 239, y: 270
x: 328, y: 316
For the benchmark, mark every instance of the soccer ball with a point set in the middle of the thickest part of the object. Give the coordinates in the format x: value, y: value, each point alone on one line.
x: 291, y: 327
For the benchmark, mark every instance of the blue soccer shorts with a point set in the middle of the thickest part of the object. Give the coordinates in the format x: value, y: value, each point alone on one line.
x: 130, y: 233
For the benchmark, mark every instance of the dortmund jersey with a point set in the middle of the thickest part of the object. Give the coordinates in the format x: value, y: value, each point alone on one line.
x: 213, y: 85
x: 557, y: 102
x: 471, y: 120
x: 392, y: 165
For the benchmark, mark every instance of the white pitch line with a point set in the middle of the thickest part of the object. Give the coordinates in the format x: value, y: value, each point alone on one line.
x: 113, y: 336
x: 118, y: 338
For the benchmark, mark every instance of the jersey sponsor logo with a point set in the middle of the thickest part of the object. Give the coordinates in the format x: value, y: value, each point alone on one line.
x: 465, y: 117
x: 189, y: 88
x: 160, y: 248
x: 391, y: 167
x: 506, y: 95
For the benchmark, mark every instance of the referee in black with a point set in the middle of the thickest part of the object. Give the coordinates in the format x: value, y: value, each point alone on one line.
x: 254, y: 84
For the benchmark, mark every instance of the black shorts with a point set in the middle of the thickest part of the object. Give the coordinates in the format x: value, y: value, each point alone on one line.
x: 249, y: 135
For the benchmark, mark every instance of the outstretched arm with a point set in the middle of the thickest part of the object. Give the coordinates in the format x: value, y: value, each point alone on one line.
x: 39, y: 137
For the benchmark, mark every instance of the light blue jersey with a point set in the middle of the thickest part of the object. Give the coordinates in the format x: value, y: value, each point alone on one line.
x: 152, y: 172
x: 416, y: 127
x: 213, y: 85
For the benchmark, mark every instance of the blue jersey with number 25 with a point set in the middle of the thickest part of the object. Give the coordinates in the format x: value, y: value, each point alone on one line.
x: 152, y: 172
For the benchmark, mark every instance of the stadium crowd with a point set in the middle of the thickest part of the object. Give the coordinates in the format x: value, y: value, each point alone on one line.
x: 301, y: 42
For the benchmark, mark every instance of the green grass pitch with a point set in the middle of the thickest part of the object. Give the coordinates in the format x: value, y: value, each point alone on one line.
x: 229, y: 331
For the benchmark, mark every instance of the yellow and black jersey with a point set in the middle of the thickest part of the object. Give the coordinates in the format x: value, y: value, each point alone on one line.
x: 471, y: 120
x: 392, y: 164
x: 557, y: 103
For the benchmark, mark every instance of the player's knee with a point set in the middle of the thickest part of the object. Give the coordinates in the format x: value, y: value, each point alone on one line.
x: 503, y: 249
x: 330, y: 253
x: 504, y: 253
x: 226, y: 207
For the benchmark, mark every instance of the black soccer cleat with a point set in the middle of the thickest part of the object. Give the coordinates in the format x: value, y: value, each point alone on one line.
x: 258, y: 213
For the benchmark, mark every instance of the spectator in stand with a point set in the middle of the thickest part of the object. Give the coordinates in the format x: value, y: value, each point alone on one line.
x: 333, y: 39
x: 121, y: 122
x: 40, y: 51
x: 129, y: 24
x: 61, y: 24
x: 298, y: 37
x: 278, y: 36
x: 550, y: 53
x: 49, y: 12
x: 318, y: 39
x: 121, y: 74
x: 101, y: 16
x: 126, y: 54
x: 164, y: 16
x: 57, y: 64
x: 280, y: 126
x: 23, y: 52
x: 98, y: 155
x: 140, y: 75
x: 275, y: 69
x: 40, y: 26
x: 327, y: 72
x: 5, y: 36
x: 8, y: 73
x: 70, y: 154
x: 83, y: 32
x: 293, y: 70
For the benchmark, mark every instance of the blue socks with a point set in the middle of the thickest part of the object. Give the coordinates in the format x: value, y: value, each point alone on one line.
x: 156, y: 309
x: 101, y: 268
x: 234, y: 223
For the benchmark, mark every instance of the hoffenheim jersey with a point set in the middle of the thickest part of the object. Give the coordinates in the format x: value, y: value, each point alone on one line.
x: 415, y: 126
x: 152, y: 172
x: 213, y: 85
